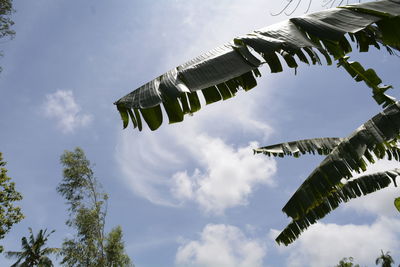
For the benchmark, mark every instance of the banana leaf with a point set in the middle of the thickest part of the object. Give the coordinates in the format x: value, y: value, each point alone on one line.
x: 377, y: 137
x: 370, y: 78
x: 221, y: 72
x: 358, y: 187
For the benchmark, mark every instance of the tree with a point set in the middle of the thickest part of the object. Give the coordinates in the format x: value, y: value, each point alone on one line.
x: 33, y: 251
x: 9, y: 214
x: 347, y: 262
x: 6, y: 9
x: 114, y: 249
x: 219, y: 74
x: 88, y: 209
x: 385, y: 259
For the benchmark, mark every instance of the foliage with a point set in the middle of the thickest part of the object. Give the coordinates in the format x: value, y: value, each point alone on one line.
x: 324, y: 189
x: 385, y: 259
x: 9, y: 214
x: 347, y: 262
x: 6, y: 9
x: 221, y: 72
x: 33, y: 251
x: 114, y: 249
x: 88, y: 209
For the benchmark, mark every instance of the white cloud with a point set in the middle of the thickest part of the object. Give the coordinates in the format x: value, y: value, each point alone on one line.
x: 228, y: 178
x: 325, y: 244
x: 196, y: 161
x: 62, y: 107
x: 156, y: 168
x: 219, y: 246
x: 183, y: 185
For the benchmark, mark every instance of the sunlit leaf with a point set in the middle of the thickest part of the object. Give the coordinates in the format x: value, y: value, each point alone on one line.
x: 321, y: 146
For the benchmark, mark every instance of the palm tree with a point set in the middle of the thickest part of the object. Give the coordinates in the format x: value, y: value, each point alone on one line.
x: 221, y: 72
x: 33, y: 253
x: 385, y: 258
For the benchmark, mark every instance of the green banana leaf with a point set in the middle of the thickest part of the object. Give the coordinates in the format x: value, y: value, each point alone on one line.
x: 221, y: 72
x: 360, y: 186
x: 377, y: 137
x: 330, y: 199
x: 321, y: 146
x: 370, y: 78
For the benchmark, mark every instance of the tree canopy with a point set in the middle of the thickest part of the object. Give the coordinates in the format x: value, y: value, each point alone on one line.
x: 6, y: 9
x: 9, y: 214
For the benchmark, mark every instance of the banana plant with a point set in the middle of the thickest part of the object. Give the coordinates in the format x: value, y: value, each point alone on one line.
x: 325, y: 189
x: 221, y: 72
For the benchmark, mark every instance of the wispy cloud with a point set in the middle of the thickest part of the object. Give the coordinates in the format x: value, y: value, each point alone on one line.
x: 221, y: 245
x: 62, y: 107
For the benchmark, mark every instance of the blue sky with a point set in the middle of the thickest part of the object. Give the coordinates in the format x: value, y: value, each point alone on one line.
x: 193, y: 193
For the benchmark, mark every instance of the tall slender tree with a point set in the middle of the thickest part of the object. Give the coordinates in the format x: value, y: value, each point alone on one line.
x: 88, y: 209
x: 34, y: 252
x: 9, y: 214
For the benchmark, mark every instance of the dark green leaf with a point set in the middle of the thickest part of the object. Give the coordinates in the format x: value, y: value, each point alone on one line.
x: 360, y: 186
x: 234, y: 65
x: 347, y: 156
x: 211, y: 95
x: 124, y: 115
x: 152, y: 116
x: 371, y: 79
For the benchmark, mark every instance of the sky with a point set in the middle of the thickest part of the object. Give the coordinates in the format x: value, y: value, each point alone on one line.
x: 192, y: 193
